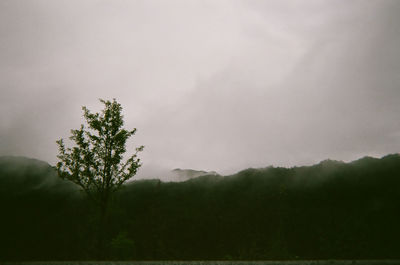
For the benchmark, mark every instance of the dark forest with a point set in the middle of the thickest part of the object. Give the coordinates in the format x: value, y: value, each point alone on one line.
x: 332, y: 210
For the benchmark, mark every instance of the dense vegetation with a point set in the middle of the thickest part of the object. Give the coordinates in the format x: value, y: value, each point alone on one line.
x: 332, y: 210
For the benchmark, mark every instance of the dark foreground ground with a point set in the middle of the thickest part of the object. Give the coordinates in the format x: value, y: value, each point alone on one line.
x: 299, y: 262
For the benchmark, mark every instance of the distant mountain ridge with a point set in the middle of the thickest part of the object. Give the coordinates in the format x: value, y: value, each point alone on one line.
x: 186, y: 174
x: 22, y: 174
x: 22, y: 168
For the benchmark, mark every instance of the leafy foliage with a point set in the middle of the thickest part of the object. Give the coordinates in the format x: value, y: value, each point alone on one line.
x: 96, y: 163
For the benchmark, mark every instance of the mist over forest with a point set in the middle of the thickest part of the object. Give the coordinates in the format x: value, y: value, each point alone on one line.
x: 331, y: 210
x: 211, y: 93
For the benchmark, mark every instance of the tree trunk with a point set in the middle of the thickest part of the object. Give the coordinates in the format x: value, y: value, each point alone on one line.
x: 102, y: 248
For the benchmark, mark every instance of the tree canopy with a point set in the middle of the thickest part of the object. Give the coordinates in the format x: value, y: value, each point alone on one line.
x: 96, y: 162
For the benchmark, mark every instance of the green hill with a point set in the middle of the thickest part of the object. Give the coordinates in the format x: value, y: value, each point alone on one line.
x: 332, y: 210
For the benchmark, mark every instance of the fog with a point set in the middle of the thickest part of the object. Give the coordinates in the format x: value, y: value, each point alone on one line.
x: 210, y: 85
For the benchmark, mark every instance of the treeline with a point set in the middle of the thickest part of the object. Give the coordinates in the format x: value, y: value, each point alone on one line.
x: 332, y: 210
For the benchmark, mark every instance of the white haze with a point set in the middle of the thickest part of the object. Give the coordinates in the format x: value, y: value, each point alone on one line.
x: 210, y: 85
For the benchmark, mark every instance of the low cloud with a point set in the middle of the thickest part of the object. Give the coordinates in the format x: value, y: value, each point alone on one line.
x: 210, y: 85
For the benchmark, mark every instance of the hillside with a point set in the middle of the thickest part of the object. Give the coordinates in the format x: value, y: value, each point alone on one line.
x: 332, y: 210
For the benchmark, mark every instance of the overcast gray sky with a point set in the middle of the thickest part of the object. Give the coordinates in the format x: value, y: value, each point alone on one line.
x: 213, y: 85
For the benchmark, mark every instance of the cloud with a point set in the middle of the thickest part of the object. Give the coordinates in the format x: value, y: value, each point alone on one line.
x: 213, y: 85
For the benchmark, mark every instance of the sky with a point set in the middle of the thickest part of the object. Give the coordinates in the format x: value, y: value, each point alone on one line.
x: 210, y: 84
